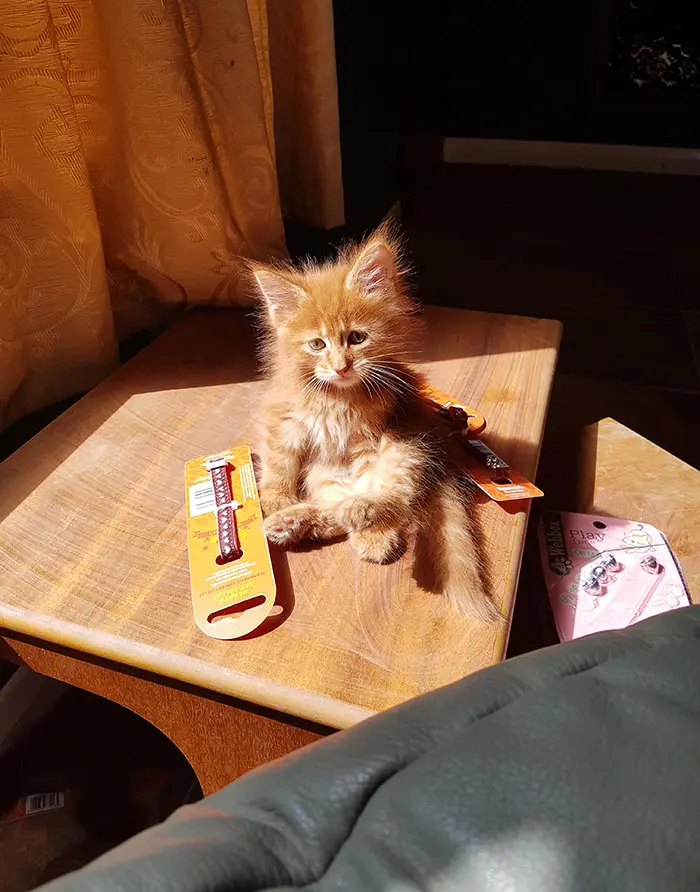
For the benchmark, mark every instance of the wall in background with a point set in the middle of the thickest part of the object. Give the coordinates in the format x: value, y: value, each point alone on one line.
x: 540, y: 71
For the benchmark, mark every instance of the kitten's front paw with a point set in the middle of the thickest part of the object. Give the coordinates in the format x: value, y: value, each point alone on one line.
x: 288, y: 526
x: 361, y: 513
x: 378, y: 546
x: 272, y: 500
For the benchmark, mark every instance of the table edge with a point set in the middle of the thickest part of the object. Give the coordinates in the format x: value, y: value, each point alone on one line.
x: 272, y: 695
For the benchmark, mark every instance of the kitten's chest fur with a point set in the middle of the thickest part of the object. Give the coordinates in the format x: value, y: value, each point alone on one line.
x: 335, y: 432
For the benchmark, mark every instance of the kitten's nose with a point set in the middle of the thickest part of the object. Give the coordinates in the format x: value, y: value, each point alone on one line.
x: 340, y: 371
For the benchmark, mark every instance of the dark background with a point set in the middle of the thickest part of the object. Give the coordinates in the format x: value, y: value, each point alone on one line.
x: 542, y: 70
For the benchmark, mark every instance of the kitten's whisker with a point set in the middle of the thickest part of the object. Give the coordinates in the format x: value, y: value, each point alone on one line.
x: 388, y: 375
x: 368, y: 382
x: 314, y: 387
x: 309, y: 387
x: 308, y: 381
x: 388, y: 384
x: 371, y: 386
x: 395, y: 363
x: 393, y: 373
x: 387, y: 357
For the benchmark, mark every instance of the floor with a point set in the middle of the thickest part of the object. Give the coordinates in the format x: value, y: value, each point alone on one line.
x: 117, y: 773
x: 615, y: 257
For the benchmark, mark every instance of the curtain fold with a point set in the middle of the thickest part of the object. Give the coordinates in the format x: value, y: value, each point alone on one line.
x: 306, y: 111
x: 138, y: 165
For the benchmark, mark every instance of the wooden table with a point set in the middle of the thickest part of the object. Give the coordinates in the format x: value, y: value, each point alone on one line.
x: 624, y: 475
x: 93, y: 562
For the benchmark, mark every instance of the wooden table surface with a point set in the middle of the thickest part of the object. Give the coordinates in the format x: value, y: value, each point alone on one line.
x: 92, y: 527
x: 623, y: 474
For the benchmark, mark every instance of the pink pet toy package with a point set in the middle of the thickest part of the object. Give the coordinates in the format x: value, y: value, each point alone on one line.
x: 605, y: 573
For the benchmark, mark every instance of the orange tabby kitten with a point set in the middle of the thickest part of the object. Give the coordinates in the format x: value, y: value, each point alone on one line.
x: 350, y: 447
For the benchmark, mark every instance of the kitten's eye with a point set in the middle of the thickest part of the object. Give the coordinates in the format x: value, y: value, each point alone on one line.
x: 357, y: 337
x: 317, y: 344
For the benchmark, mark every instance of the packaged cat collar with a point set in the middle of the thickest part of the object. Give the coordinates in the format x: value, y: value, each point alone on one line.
x: 606, y: 573
x: 492, y: 474
x: 233, y: 586
x: 460, y: 416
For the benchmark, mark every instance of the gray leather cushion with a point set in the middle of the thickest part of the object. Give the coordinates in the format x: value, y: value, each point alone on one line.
x: 573, y: 769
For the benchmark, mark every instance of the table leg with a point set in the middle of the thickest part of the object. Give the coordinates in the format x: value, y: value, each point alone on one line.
x: 221, y: 738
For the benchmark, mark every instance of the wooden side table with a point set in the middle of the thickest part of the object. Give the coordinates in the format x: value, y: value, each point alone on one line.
x: 624, y: 475
x: 93, y: 562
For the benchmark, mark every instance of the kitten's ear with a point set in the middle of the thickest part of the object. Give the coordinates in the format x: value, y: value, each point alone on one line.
x: 281, y: 296
x: 374, y: 270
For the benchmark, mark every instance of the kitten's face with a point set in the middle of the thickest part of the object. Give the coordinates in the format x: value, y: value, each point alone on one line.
x: 338, y: 355
x: 343, y: 326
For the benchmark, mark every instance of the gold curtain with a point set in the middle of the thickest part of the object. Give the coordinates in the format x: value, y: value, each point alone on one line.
x: 138, y: 164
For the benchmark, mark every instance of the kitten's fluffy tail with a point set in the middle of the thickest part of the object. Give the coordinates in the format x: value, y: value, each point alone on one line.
x: 447, y: 554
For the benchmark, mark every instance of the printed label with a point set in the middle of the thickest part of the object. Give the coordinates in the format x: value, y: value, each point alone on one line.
x: 202, y: 499
x: 555, y: 542
x: 41, y: 802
